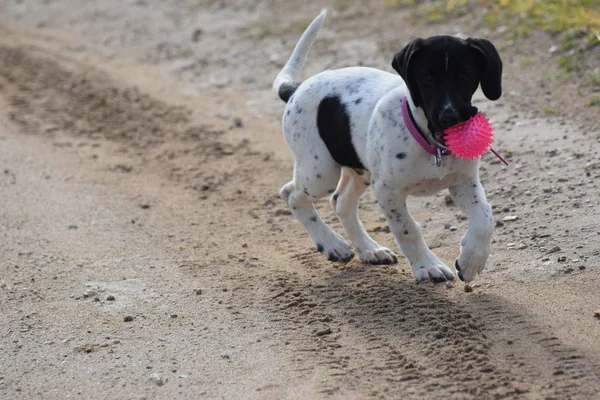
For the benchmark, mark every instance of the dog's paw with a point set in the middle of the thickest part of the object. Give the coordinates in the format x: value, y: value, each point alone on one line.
x: 378, y: 256
x: 434, y: 273
x: 336, y: 249
x: 469, y: 264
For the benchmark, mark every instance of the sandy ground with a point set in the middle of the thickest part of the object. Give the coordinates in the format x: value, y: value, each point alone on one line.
x: 145, y: 252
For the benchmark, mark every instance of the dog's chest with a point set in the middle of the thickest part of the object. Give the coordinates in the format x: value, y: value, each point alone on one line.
x: 430, y: 179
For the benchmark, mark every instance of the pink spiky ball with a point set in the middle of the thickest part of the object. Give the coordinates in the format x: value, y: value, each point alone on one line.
x: 470, y: 139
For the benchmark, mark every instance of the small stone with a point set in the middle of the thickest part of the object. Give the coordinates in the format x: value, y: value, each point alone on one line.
x: 468, y: 288
x: 157, y: 379
x: 582, y: 267
x: 198, y: 291
x: 499, y: 223
x: 128, y: 318
x: 237, y: 122
x: 449, y: 285
x: 88, y: 293
x: 510, y: 218
x: 522, y: 246
x: 562, y: 258
x: 323, y: 332
x: 110, y: 298
x: 71, y: 227
x: 597, y: 313
x: 196, y: 35
x: 555, y: 249
x: 144, y: 206
x: 546, y: 259
x: 448, y: 200
x: 173, y: 315
x: 568, y: 270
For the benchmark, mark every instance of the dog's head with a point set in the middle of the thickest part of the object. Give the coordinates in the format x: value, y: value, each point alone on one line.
x: 443, y: 72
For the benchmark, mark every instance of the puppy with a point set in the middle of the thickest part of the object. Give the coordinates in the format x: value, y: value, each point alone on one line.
x: 355, y: 127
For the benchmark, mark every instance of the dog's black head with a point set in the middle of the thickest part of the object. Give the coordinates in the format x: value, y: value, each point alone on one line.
x: 443, y: 72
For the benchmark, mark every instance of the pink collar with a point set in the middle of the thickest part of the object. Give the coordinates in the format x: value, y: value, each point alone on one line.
x: 414, y: 130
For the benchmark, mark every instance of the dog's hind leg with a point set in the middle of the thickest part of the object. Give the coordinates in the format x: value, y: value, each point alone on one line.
x: 344, y: 201
x: 310, y: 184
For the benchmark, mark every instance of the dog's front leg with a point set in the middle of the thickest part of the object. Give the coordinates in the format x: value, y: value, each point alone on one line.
x: 424, y: 264
x: 475, y: 245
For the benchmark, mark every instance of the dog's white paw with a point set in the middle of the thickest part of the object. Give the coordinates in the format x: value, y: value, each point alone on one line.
x: 471, y: 261
x: 335, y: 248
x: 378, y: 256
x: 438, y: 272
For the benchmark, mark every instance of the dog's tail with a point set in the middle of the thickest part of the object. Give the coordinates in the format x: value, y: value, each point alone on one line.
x: 285, y: 84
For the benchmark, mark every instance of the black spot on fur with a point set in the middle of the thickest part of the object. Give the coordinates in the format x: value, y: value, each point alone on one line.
x: 401, y: 156
x: 313, y: 218
x: 357, y: 101
x: 320, y: 247
x: 335, y: 197
x: 286, y: 90
x: 334, y: 128
x: 319, y: 176
x: 406, y: 231
x: 331, y: 191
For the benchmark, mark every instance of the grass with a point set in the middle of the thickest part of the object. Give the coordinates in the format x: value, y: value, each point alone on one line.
x: 399, y: 3
x: 594, y: 77
x: 341, y: 5
x: 574, y: 23
x: 578, y: 20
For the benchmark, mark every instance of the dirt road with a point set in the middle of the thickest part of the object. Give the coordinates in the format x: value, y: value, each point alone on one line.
x: 145, y: 252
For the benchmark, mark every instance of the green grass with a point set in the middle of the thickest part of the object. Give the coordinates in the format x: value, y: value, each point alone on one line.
x: 594, y: 78
x: 575, y: 24
x: 341, y: 5
x: 578, y: 20
x: 594, y: 101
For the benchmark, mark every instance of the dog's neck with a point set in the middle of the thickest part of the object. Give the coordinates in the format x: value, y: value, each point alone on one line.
x: 420, y: 123
x: 420, y: 120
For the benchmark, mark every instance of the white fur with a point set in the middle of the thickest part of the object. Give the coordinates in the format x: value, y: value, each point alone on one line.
x: 378, y: 135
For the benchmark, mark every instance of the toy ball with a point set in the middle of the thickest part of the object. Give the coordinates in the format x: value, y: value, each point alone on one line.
x: 470, y: 139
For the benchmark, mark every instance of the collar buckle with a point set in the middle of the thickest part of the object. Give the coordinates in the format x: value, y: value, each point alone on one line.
x: 438, y: 157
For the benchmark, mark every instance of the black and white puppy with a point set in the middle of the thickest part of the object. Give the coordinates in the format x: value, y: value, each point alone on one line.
x: 346, y: 131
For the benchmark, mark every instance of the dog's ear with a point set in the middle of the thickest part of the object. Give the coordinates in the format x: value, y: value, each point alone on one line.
x: 402, y: 64
x: 490, y: 67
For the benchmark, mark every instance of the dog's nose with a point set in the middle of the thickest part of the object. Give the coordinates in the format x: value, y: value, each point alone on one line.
x: 449, y: 117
